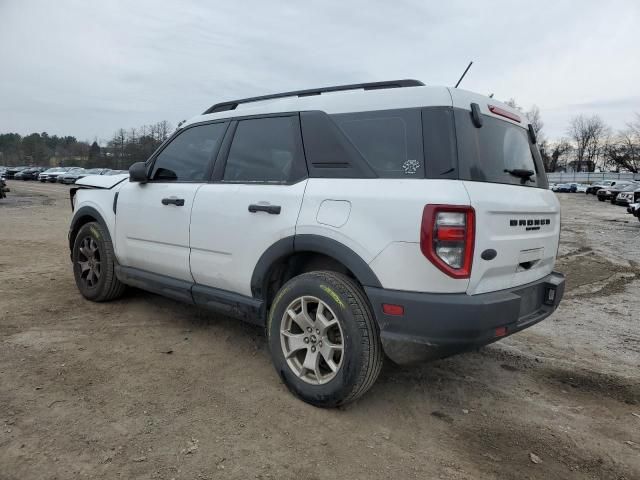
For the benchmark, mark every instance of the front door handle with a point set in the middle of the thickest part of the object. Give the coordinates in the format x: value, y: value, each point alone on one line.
x: 272, y: 209
x: 178, y: 202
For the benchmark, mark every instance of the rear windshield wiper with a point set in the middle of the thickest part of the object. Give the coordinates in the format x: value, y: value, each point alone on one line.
x: 521, y: 172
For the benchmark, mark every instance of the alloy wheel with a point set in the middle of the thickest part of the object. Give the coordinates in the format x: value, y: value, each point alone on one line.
x: 89, y: 261
x: 312, y: 340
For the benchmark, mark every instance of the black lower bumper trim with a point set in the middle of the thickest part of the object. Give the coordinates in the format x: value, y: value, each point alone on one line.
x: 452, y: 322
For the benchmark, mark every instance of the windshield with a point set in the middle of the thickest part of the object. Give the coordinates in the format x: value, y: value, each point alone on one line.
x: 488, y: 153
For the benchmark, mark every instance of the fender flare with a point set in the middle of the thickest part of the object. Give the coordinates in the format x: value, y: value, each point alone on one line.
x: 316, y: 244
x: 75, y: 223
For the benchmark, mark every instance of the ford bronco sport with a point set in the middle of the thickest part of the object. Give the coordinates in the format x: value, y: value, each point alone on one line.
x: 350, y: 222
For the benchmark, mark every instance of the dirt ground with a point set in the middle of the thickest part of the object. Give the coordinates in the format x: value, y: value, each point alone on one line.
x: 148, y: 388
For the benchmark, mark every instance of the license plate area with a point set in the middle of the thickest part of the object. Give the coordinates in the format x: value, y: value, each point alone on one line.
x: 531, y: 300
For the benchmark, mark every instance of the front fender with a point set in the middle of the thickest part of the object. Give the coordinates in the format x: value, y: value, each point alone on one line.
x: 85, y: 214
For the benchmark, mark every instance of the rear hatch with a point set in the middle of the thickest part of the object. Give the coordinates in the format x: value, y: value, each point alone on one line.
x: 517, y: 216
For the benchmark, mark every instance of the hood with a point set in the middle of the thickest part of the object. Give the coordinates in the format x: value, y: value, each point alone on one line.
x: 102, y: 181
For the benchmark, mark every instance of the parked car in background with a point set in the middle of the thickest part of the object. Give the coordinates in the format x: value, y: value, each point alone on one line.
x: 581, y: 188
x: 72, y: 175
x: 117, y: 172
x: 618, y: 189
x: 593, y: 189
x: 97, y: 171
x: 29, y: 173
x: 11, y: 172
x: 634, y: 209
x: 564, y: 188
x: 629, y: 195
x: 612, y: 191
x: 51, y: 174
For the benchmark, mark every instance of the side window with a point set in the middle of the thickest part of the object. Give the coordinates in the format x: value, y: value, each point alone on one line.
x: 187, y: 157
x: 265, y: 150
x: 389, y: 140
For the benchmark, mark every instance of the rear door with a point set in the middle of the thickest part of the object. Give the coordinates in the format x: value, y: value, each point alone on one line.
x: 518, y: 218
x: 152, y: 219
x: 253, y: 201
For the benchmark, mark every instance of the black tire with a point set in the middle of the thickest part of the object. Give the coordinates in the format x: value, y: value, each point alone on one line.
x: 103, y: 286
x: 601, y: 199
x: 362, y: 355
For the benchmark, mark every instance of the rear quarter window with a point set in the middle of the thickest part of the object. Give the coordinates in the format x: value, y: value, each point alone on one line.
x: 389, y: 140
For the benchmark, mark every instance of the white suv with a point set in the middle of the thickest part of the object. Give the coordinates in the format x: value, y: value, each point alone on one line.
x: 348, y: 221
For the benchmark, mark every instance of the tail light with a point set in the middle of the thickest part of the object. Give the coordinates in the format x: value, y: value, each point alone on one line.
x: 447, y: 238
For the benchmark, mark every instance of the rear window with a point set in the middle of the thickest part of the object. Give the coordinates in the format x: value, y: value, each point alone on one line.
x: 389, y: 140
x: 486, y: 153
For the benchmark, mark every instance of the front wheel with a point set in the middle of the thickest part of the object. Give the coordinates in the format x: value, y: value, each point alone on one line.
x: 94, y: 264
x: 323, y: 338
x: 601, y: 199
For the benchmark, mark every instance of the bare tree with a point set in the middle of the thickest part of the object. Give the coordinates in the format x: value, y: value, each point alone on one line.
x: 555, y: 155
x: 164, y: 129
x: 512, y: 103
x: 589, y: 136
x: 535, y: 120
x: 623, y: 150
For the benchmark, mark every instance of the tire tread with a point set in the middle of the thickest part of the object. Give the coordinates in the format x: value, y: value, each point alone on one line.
x: 372, y: 351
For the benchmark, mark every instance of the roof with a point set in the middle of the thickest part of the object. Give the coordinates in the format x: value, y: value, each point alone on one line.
x: 365, y: 97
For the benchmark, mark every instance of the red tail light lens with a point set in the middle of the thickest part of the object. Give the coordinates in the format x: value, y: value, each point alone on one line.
x: 447, y: 238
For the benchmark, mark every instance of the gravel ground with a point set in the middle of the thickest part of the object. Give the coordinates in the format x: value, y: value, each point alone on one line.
x: 144, y: 387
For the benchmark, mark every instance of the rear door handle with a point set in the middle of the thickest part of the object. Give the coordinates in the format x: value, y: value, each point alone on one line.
x: 178, y: 202
x: 272, y: 209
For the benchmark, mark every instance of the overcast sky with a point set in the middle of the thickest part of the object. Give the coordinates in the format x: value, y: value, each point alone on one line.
x: 87, y: 68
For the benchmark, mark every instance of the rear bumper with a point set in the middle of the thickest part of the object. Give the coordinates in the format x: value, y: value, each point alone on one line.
x: 435, y: 325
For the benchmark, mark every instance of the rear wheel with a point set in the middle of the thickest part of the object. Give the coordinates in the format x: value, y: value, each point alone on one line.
x: 323, y: 339
x: 601, y: 199
x: 94, y: 264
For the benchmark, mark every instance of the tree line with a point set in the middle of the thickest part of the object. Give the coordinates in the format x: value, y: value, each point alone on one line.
x: 589, y: 144
x: 125, y: 147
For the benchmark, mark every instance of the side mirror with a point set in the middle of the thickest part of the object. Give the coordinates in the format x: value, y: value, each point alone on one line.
x: 138, y: 172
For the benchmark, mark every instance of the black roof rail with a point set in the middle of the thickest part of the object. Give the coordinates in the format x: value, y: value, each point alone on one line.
x: 233, y: 104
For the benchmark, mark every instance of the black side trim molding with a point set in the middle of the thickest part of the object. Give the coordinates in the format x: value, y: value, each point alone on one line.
x: 220, y: 301
x: 316, y: 244
x: 152, y: 282
x: 342, y: 253
x: 229, y: 303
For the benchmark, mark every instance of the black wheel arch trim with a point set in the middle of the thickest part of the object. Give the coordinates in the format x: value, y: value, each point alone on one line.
x: 76, y: 225
x: 315, y: 244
